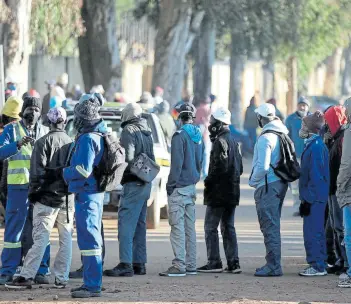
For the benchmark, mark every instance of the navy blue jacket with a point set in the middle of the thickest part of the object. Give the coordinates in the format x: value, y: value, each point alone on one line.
x: 87, y: 154
x: 314, y: 179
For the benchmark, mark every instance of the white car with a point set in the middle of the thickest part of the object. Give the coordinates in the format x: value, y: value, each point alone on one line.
x: 157, y: 204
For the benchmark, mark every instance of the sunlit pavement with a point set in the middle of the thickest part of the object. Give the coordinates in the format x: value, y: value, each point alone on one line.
x: 209, y: 287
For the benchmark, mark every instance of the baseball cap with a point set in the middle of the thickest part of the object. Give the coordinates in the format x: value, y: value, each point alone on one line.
x: 266, y: 110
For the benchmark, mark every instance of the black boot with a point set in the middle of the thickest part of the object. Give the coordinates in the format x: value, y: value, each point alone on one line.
x: 139, y: 268
x: 121, y: 270
x: 78, y: 274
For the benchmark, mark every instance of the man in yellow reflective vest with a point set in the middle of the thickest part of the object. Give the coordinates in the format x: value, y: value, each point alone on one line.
x: 16, y: 146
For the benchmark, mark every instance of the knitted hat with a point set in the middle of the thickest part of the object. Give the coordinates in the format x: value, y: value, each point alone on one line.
x: 13, y: 107
x: 131, y: 111
x: 31, y: 102
x: 304, y: 100
x: 314, y: 122
x: 57, y: 115
x: 88, y: 106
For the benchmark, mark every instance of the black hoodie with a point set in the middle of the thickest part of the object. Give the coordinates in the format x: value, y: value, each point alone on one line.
x: 135, y: 139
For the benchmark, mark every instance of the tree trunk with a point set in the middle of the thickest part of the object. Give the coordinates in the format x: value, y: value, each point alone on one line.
x: 14, y: 33
x: 331, y: 83
x: 346, y: 79
x: 204, y: 55
x: 237, y: 65
x: 98, y: 48
x: 292, y: 94
x: 173, y: 40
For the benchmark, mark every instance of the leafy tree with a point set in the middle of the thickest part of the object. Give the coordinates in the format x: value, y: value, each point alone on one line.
x: 55, y: 26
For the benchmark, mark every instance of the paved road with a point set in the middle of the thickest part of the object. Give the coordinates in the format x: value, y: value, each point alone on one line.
x: 208, y: 287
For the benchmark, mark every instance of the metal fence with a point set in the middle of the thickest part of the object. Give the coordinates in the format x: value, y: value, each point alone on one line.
x: 136, y: 38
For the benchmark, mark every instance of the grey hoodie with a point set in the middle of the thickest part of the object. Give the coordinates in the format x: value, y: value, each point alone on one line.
x: 343, y: 183
x: 266, y: 153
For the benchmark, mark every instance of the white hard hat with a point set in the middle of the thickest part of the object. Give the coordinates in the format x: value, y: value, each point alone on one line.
x: 266, y: 110
x: 222, y: 115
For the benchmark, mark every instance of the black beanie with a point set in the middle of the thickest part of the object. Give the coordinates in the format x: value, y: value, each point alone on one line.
x: 29, y: 101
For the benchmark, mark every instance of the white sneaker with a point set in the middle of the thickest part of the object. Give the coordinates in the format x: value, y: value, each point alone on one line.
x: 344, y: 281
x: 311, y: 272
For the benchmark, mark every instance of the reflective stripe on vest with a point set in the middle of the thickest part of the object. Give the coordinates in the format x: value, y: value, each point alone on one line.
x: 91, y: 252
x: 19, y: 164
x: 12, y: 245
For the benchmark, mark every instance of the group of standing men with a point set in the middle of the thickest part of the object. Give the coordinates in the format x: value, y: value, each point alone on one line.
x: 322, y: 193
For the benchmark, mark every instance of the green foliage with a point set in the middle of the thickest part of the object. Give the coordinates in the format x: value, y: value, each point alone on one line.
x: 55, y: 25
x: 322, y: 27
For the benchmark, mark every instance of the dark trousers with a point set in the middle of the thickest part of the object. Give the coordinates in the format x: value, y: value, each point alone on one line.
x: 224, y: 216
x: 336, y: 222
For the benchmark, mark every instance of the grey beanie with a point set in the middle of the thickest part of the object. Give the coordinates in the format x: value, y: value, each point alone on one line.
x: 88, y: 106
x: 304, y: 100
x: 131, y: 111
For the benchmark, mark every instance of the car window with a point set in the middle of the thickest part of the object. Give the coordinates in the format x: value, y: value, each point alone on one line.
x: 114, y: 125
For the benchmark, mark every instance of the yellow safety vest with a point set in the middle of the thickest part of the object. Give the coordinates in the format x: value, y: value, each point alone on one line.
x: 19, y: 164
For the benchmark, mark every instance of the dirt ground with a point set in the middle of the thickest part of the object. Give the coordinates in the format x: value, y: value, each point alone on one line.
x: 203, y: 288
x: 213, y: 288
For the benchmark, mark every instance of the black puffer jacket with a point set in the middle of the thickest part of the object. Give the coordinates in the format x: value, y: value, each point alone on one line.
x: 222, y: 185
x: 135, y: 139
x: 50, y: 155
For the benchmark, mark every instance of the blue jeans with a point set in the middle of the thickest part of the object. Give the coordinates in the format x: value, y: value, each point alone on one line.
x: 89, y: 207
x: 314, y: 237
x: 347, y: 234
x: 225, y: 216
x: 269, y: 209
x: 132, y: 222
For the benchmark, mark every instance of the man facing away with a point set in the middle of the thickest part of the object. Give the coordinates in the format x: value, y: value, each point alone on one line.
x: 186, y: 163
x: 135, y: 139
x: 293, y: 122
x: 222, y: 194
x: 270, y: 189
x: 314, y: 188
x: 48, y: 192
x: 16, y: 146
x: 87, y: 154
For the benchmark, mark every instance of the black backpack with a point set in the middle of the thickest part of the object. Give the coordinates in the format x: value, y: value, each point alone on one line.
x: 110, y: 170
x: 288, y: 168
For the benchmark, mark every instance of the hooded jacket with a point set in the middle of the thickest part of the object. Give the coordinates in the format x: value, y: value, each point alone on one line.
x: 336, y: 119
x: 87, y: 153
x: 222, y: 185
x: 186, y: 158
x: 343, y: 192
x: 50, y: 152
x: 266, y: 153
x: 314, y: 177
x: 136, y: 138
